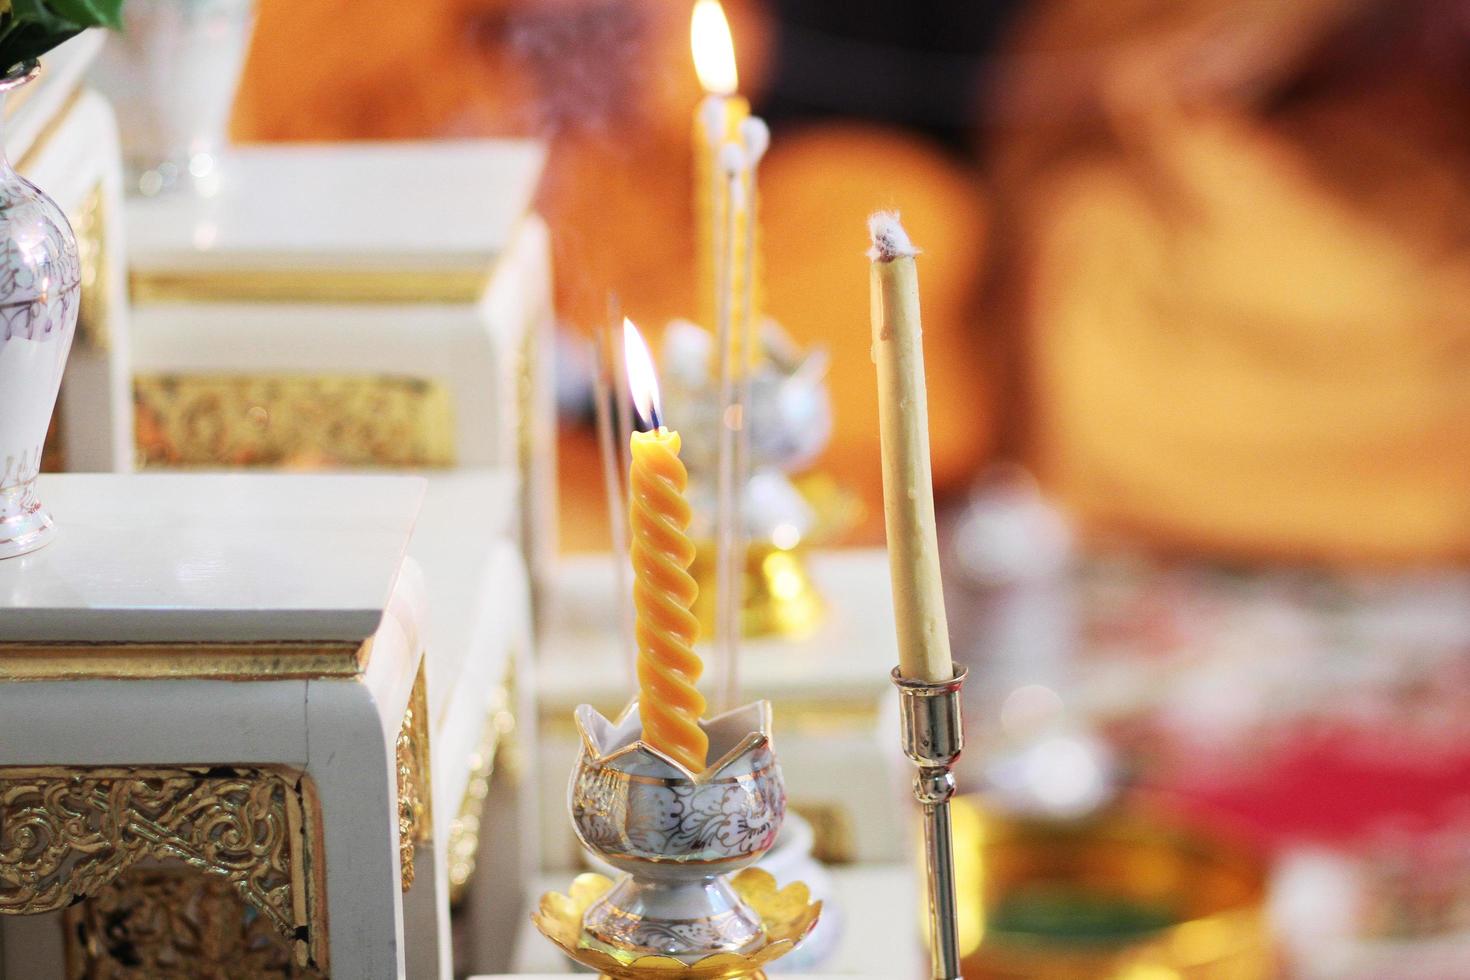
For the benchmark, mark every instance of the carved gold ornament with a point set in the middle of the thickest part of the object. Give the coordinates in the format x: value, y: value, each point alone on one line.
x: 415, y: 824
x: 291, y: 420
x: 68, y: 833
x: 463, y: 848
x: 171, y: 923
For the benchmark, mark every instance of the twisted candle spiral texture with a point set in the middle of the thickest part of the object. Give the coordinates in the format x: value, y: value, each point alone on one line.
x: 663, y: 591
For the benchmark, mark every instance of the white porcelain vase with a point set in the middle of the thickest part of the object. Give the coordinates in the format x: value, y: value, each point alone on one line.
x: 171, y: 75
x: 40, y: 289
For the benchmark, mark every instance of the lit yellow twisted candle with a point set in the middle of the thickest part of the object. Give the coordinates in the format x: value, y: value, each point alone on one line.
x: 663, y: 591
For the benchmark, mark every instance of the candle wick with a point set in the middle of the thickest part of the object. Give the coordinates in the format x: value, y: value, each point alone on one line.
x: 890, y: 241
x: 652, y: 422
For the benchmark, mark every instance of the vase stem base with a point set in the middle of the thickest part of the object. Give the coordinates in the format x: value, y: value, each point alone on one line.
x: 25, y: 524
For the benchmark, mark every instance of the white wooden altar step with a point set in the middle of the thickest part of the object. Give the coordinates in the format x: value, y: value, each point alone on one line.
x: 351, y: 304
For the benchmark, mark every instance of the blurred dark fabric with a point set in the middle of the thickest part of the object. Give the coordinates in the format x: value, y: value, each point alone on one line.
x: 919, y: 65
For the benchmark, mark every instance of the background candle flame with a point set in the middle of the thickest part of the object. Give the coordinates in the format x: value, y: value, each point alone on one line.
x: 642, y: 379
x: 714, y: 50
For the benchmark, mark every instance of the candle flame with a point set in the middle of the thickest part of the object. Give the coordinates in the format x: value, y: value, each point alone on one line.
x: 714, y: 50
x: 642, y: 379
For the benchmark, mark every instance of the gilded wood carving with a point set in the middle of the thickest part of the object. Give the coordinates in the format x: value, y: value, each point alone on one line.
x: 412, y: 758
x: 292, y: 420
x: 66, y: 834
x: 172, y: 923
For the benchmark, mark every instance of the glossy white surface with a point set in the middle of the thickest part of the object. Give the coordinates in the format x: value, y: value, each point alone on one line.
x: 177, y: 558
x: 361, y: 205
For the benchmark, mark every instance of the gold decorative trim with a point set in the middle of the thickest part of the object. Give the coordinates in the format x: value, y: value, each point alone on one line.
x: 48, y: 131
x: 169, y: 922
x: 66, y: 833
x: 292, y: 420
x: 465, y: 830
x: 179, y: 661
x: 415, y: 818
x: 94, y: 318
x: 246, y: 285
x: 617, y: 775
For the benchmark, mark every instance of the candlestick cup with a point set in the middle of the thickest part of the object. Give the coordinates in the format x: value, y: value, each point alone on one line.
x: 675, y: 834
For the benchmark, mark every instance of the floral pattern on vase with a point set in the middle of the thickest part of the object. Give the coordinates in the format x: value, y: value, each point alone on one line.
x: 721, y: 819
x: 40, y: 287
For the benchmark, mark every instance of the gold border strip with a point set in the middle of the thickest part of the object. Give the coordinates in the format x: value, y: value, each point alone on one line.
x: 402, y: 286
x: 49, y: 128
x: 609, y: 772
x: 182, y: 661
x: 690, y: 862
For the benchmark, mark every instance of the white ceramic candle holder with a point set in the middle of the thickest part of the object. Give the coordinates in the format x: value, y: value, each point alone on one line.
x: 676, y: 835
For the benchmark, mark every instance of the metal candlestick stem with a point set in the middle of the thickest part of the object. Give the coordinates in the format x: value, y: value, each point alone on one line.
x: 933, y: 735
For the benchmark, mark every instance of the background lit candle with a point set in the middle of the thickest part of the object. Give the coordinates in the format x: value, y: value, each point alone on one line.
x: 669, y: 703
x: 716, y: 123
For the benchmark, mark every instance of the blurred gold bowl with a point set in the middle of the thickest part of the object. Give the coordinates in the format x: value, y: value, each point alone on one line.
x: 780, y: 598
x: 1128, y: 894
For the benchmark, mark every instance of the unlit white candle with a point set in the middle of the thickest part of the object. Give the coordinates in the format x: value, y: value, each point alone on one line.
x: 908, y: 485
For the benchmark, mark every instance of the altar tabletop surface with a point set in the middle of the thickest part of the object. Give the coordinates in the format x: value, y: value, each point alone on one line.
x: 210, y: 558
x: 370, y: 205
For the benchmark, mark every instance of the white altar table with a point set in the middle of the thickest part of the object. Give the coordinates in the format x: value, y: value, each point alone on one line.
x: 211, y: 692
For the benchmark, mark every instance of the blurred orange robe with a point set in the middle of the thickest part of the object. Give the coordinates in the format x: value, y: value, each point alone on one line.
x: 1242, y: 262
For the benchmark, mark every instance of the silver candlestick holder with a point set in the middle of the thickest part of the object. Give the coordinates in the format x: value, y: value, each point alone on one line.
x: 933, y: 734
x: 688, y: 905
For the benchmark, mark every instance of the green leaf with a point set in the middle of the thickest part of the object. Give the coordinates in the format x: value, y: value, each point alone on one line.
x: 91, y: 13
x: 30, y: 28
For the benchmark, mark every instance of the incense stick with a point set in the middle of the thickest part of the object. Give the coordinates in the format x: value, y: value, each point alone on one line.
x: 623, y: 405
x: 617, y: 509
x: 613, y: 473
x: 755, y: 138
x: 727, y: 604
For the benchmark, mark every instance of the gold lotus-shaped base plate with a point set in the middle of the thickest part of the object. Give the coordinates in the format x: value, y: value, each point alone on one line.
x: 788, y: 915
